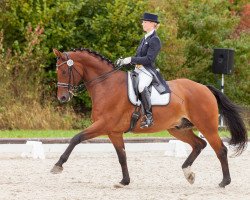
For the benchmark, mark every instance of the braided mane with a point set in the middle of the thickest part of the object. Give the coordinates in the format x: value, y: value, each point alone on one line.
x: 95, y: 54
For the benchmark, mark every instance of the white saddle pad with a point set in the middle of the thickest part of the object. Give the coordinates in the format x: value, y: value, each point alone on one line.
x: 156, y: 98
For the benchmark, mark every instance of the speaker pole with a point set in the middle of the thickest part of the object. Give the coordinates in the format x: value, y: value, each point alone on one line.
x: 222, y: 83
x: 223, y: 61
x: 222, y: 90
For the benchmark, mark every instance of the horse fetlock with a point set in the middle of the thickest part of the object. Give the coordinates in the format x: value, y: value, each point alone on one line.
x: 189, y: 175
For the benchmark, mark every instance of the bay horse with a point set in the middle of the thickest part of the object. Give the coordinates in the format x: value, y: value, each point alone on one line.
x: 111, y: 111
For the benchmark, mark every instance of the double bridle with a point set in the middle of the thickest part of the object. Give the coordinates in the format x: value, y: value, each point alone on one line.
x: 76, y: 88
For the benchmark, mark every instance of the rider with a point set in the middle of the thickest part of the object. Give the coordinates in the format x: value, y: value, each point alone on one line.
x: 144, y: 61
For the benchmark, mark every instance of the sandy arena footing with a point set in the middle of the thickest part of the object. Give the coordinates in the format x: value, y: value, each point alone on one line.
x: 91, y: 172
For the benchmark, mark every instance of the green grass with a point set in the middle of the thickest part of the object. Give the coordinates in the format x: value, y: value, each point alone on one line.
x: 71, y: 133
x: 37, y: 133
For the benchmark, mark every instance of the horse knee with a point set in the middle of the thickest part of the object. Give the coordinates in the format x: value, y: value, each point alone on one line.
x: 76, y: 139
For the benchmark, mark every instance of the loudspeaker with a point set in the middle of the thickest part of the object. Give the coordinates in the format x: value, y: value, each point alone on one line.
x: 223, y: 61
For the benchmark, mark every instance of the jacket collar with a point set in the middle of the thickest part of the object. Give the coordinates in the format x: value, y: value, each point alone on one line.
x: 149, y: 34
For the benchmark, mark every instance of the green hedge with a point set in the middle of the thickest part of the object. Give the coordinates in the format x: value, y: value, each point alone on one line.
x: 189, y: 31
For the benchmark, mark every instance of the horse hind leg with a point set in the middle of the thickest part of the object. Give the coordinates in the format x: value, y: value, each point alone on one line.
x: 220, y: 149
x: 222, y: 155
x: 197, y: 144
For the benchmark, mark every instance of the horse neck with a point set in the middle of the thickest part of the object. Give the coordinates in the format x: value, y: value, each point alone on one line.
x: 93, y: 68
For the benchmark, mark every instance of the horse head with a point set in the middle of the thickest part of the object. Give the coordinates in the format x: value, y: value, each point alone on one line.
x: 79, y: 65
x: 69, y: 74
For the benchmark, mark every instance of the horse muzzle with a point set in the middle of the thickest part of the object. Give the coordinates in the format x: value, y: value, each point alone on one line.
x: 65, y: 98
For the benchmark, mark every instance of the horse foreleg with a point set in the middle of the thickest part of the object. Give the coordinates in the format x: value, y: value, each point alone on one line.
x: 118, y: 142
x: 196, y: 143
x: 93, y: 131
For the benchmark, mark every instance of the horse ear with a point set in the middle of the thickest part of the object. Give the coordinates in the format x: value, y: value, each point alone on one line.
x: 57, y: 53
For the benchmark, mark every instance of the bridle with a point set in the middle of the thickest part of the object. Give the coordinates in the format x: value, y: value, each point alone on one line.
x: 73, y: 89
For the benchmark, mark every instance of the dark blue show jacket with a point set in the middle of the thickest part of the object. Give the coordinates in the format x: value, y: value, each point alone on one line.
x: 145, y: 55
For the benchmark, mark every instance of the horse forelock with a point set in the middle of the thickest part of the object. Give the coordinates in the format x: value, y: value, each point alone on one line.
x: 95, y: 54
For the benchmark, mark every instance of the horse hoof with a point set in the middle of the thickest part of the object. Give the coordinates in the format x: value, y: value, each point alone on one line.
x: 56, y: 170
x: 189, y: 175
x: 224, y: 183
x: 118, y: 185
x: 191, y: 178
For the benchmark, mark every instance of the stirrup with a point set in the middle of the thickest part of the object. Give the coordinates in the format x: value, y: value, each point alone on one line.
x: 147, y: 122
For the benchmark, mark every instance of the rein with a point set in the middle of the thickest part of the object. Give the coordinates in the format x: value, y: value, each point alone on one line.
x: 76, y: 88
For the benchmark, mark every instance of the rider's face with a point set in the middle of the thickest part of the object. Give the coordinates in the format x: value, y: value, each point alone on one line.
x: 148, y: 26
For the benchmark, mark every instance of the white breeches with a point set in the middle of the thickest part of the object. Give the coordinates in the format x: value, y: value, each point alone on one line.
x: 145, y: 78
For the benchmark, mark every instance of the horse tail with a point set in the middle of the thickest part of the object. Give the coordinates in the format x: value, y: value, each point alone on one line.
x: 233, y: 120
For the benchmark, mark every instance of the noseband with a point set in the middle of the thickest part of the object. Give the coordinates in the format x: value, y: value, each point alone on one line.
x: 75, y: 88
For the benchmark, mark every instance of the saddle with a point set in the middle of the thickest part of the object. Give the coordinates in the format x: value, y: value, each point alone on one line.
x: 133, y: 94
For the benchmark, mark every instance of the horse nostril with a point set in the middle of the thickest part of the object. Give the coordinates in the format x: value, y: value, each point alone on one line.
x: 63, y: 99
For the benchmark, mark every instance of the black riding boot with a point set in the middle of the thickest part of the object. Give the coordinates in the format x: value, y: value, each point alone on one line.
x: 146, y: 102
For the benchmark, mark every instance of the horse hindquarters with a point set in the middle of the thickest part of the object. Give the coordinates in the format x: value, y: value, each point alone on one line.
x: 202, y: 110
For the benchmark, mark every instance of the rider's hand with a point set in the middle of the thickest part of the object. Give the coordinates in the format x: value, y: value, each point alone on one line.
x: 124, y: 61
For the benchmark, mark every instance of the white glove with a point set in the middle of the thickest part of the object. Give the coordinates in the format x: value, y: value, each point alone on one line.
x: 124, y: 61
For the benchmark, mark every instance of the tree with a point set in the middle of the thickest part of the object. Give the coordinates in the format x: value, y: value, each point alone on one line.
x: 200, y: 27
